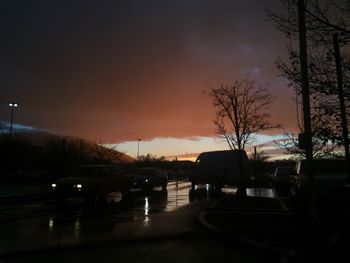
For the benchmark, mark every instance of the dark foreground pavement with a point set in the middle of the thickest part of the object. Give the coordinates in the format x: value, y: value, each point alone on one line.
x: 176, y: 236
x: 228, y: 229
x: 268, y: 224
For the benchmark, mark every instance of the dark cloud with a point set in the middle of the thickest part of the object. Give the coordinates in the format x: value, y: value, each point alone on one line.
x: 117, y: 70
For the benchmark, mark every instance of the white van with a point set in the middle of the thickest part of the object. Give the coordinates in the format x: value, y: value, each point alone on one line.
x: 220, y: 168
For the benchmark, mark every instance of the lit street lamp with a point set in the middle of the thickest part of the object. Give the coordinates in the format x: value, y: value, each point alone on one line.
x: 12, y: 105
x: 138, y: 148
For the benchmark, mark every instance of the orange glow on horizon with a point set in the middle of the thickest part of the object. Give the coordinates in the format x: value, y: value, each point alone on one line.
x: 125, y: 78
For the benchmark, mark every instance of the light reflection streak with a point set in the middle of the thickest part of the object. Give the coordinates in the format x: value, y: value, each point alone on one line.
x: 77, y: 227
x: 228, y: 190
x: 261, y: 192
x: 146, y: 206
x: 51, y: 223
x: 146, y: 220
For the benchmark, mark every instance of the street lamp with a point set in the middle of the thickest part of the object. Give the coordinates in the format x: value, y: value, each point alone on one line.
x: 12, y: 105
x: 138, y: 148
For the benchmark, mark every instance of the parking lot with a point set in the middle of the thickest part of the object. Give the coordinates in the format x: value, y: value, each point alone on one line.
x: 31, y: 224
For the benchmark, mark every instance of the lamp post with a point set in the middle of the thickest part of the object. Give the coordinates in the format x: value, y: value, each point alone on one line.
x: 12, y: 106
x: 138, y: 148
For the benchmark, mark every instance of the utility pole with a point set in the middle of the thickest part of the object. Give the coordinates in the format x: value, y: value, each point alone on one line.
x: 341, y: 101
x: 138, y: 148
x: 306, y: 108
x: 255, y: 154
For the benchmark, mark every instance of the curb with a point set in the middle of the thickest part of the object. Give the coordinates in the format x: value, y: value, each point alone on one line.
x: 250, y: 242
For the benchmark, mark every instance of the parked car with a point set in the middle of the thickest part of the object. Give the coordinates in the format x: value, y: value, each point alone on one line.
x: 330, y: 177
x: 282, y: 179
x: 149, y: 177
x: 220, y: 168
x: 93, y: 182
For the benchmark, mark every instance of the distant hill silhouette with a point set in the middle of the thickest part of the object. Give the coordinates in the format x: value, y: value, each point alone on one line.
x: 41, y: 138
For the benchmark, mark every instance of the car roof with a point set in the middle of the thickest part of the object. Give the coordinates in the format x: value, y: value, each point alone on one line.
x: 324, y: 165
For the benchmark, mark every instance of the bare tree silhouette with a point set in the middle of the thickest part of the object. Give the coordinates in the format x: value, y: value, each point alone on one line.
x: 242, y: 111
x: 323, y: 20
x: 290, y: 145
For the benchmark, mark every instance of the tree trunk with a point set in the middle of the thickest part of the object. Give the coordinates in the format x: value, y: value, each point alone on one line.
x: 344, y: 122
x: 306, y: 108
x: 242, y: 188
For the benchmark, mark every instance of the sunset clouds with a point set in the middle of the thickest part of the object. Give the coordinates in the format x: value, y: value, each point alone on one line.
x: 119, y: 70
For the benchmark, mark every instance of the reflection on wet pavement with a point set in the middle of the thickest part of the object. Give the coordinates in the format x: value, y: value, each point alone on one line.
x: 78, y: 221
x: 177, y: 196
x: 261, y: 192
x: 114, y: 197
x: 128, y: 216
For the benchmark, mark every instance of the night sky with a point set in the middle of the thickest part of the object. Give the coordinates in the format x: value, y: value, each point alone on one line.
x: 114, y: 71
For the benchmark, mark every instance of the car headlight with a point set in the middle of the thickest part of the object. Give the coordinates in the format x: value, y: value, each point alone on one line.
x: 53, y: 186
x: 146, y: 180
x: 79, y: 186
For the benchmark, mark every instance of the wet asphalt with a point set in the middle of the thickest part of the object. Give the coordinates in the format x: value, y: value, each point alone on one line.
x: 41, y: 224
x: 160, y: 226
